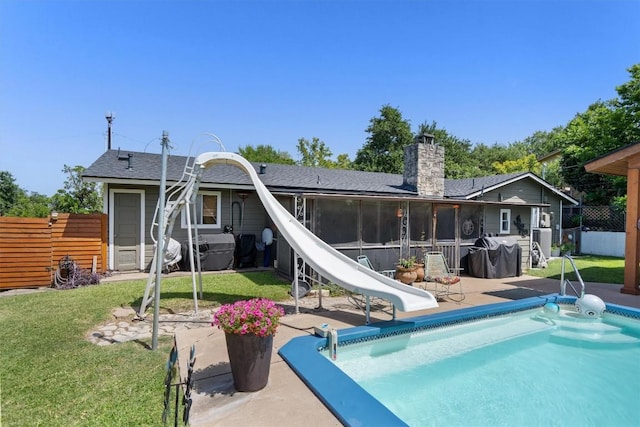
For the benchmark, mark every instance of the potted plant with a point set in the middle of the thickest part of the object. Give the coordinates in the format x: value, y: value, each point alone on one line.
x: 406, y: 270
x: 567, y: 248
x: 555, y: 250
x: 249, y: 327
x: 407, y: 262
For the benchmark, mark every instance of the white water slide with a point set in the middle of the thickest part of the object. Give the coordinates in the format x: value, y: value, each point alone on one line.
x: 324, y: 259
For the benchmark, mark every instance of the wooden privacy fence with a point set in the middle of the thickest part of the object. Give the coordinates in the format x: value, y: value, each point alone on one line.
x: 31, y: 248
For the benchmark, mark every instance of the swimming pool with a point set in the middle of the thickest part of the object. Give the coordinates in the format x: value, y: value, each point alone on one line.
x: 502, y: 364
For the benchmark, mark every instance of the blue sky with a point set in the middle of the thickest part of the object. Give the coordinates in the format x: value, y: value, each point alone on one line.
x: 271, y: 72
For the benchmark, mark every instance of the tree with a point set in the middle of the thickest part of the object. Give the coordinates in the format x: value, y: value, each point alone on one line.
x: 32, y: 205
x: 15, y: 201
x: 542, y: 143
x: 343, y: 161
x: 314, y: 153
x: 628, y: 103
x: 552, y: 173
x: 589, y: 135
x: 384, y: 149
x: 265, y: 154
x: 10, y: 192
x: 317, y: 154
x: 527, y: 163
x: 77, y: 196
x: 604, y: 127
x: 484, y: 156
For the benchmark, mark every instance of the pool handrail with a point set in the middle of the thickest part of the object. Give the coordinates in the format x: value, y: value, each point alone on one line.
x: 564, y: 282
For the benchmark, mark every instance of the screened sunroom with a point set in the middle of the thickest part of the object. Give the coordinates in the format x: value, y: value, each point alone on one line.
x: 387, y: 229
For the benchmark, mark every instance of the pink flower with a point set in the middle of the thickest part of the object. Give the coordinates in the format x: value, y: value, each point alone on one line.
x: 259, y: 316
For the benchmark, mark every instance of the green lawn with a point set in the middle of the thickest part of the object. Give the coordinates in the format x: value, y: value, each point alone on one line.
x: 592, y: 269
x: 52, y: 376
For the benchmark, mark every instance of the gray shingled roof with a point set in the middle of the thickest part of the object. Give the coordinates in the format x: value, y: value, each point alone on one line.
x: 462, y: 188
x: 112, y: 166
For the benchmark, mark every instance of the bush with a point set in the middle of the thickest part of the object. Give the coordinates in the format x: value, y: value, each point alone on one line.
x: 567, y: 248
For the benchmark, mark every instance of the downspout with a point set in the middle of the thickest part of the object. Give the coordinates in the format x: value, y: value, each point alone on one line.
x: 230, y: 207
x: 359, y: 221
x: 560, y: 224
x: 456, y: 209
x: 531, y: 226
x: 232, y: 215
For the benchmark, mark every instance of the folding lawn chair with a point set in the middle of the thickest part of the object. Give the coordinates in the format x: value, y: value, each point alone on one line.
x: 448, y: 285
x: 364, y: 260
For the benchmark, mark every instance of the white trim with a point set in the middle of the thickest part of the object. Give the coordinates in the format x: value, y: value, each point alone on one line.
x: 535, y: 218
x: 111, y: 225
x: 105, y: 198
x: 200, y: 225
x: 559, y: 225
x: 508, y: 212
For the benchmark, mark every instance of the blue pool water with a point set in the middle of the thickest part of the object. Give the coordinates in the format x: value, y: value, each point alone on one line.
x: 523, y: 368
x: 520, y: 369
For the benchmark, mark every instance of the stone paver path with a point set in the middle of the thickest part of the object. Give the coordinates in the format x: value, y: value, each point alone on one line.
x: 126, y: 328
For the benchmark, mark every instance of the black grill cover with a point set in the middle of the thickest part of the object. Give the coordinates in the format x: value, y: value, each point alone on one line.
x: 495, y: 258
x: 246, y: 251
x: 216, y: 252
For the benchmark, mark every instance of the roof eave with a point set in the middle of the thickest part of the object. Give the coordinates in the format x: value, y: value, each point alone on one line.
x: 518, y: 178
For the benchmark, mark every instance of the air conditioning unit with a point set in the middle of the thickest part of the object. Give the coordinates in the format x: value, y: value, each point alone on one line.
x: 545, y: 220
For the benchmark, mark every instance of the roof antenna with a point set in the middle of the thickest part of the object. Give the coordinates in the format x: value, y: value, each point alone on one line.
x: 109, y: 116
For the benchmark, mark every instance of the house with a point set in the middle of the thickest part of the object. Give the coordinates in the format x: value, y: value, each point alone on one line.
x: 384, y: 216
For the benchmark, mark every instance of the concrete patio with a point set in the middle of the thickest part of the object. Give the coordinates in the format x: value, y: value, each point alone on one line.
x: 286, y: 400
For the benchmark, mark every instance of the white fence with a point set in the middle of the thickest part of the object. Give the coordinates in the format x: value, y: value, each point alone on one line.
x: 607, y: 243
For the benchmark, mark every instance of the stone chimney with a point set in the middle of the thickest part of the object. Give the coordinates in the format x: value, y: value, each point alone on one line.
x: 424, y: 167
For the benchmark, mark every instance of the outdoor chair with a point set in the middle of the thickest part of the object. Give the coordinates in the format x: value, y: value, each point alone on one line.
x: 363, y: 302
x: 448, y: 285
x: 364, y: 260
